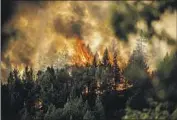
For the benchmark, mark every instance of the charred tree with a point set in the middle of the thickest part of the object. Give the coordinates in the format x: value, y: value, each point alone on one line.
x: 116, y: 69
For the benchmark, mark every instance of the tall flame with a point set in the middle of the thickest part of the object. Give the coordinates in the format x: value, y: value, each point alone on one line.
x: 82, y: 54
x: 42, y: 30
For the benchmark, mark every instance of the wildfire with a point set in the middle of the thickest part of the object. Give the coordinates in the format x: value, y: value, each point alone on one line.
x: 42, y: 31
x: 20, y: 68
x: 121, y: 87
x: 82, y: 54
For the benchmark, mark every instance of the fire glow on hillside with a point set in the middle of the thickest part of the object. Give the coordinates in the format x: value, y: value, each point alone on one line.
x: 39, y: 32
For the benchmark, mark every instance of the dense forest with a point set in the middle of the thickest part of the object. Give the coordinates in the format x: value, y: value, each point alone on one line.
x: 89, y: 60
x: 96, y: 91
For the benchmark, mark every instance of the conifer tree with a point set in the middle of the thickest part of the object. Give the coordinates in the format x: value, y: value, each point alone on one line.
x: 105, y: 59
x: 15, y: 73
x: 95, y: 60
x: 86, y: 106
x: 27, y: 73
x: 174, y: 70
x: 99, y: 110
x: 116, y: 69
x: 10, y: 80
x: 138, y: 58
x: 89, y: 116
x: 137, y: 68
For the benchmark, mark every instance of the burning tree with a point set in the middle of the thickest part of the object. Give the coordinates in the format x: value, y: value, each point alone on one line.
x: 95, y: 60
x: 83, y: 54
x: 105, y: 60
x: 116, y: 69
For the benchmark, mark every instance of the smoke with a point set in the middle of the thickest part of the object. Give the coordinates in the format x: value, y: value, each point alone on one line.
x: 38, y: 32
x: 155, y: 19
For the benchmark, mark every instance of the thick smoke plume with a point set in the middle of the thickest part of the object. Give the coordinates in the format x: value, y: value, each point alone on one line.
x: 40, y: 32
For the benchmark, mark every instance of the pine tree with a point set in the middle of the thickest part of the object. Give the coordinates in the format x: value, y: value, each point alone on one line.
x: 116, y: 69
x: 10, y: 81
x: 73, y: 93
x: 88, y: 116
x: 27, y: 73
x: 137, y: 68
x: 95, y: 60
x: 52, y: 71
x: 51, y: 109
x: 86, y: 106
x: 16, y: 73
x: 73, y: 107
x: 31, y: 73
x: 165, y: 66
x: 173, y: 74
x: 105, y: 59
x: 138, y: 58
x: 99, y: 110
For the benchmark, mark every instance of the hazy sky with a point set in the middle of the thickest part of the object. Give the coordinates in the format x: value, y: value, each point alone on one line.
x: 35, y: 33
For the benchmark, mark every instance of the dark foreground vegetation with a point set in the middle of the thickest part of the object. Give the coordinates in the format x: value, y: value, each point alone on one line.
x: 89, y: 92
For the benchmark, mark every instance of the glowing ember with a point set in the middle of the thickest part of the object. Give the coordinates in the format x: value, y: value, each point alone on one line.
x: 123, y: 86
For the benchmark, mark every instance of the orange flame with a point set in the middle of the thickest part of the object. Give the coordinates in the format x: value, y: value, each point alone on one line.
x: 82, y: 55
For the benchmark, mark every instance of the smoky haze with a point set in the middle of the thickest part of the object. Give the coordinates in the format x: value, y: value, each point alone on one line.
x: 35, y: 33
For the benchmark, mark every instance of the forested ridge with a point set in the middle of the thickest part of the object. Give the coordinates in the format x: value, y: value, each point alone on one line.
x: 96, y: 91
